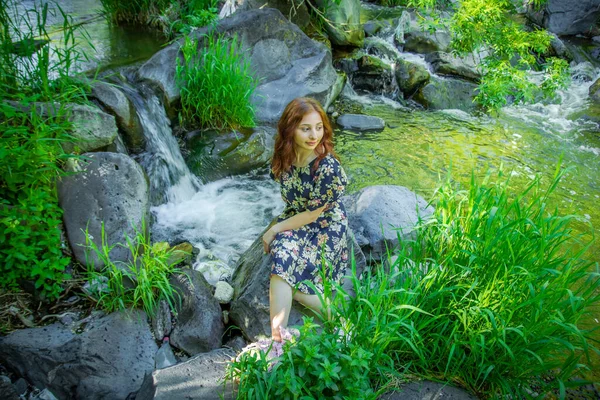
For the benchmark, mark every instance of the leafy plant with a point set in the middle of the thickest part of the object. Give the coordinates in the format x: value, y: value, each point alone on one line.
x: 141, y: 282
x: 216, y: 83
x: 30, y: 218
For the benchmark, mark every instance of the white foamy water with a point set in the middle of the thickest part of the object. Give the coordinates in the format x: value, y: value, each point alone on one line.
x: 555, y: 118
x: 222, y: 219
x: 170, y: 178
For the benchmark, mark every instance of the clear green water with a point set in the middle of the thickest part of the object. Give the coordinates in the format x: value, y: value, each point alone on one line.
x: 104, y: 44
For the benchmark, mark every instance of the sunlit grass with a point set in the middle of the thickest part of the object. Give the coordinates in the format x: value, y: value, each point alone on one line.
x: 489, y: 296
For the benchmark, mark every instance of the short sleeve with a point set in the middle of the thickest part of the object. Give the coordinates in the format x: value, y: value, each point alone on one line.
x: 329, y: 183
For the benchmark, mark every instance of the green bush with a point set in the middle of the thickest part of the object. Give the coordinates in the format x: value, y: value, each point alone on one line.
x: 490, y: 296
x: 30, y: 242
x: 216, y: 84
x: 141, y: 282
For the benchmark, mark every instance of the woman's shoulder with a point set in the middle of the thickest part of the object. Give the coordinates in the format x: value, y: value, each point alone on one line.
x: 329, y: 161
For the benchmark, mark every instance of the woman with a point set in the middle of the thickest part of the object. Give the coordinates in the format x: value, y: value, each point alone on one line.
x: 308, y: 242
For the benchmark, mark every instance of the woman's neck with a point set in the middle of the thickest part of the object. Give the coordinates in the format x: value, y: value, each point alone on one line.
x: 303, y: 158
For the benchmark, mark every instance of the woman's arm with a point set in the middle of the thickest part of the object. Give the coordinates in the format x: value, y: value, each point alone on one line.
x: 295, y: 222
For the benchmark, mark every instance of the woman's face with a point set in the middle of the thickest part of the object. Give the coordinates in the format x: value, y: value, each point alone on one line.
x: 309, y: 132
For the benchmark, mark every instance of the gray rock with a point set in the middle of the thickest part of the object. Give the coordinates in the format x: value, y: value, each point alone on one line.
x: 416, y: 40
x: 558, y: 48
x: 45, y: 395
x: 199, y: 320
x: 381, y: 48
x: 378, y: 213
x: 110, y: 188
x: 426, y: 390
x: 118, y: 105
x: 358, y: 122
x: 118, y: 146
x: 287, y: 62
x: 92, y: 129
x: 447, y: 64
x: 200, y: 377
x: 161, y: 322
x: 7, y: 390
x: 107, y: 360
x: 250, y: 281
x: 214, y: 155
x: 447, y: 93
x: 344, y: 27
x: 223, y: 292
x: 21, y: 386
x: 595, y: 92
x: 367, y: 73
x: 567, y: 17
x: 159, y: 70
x: 410, y: 77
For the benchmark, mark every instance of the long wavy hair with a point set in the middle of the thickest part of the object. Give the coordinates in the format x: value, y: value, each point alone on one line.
x: 285, y: 150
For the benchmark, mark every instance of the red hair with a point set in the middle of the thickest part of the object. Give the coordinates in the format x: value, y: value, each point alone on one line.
x: 285, y: 151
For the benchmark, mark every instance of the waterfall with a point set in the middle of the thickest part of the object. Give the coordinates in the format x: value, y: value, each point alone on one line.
x: 170, y: 178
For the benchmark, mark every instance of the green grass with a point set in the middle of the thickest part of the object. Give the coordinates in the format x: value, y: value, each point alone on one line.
x: 216, y: 84
x: 139, y: 283
x: 490, y: 296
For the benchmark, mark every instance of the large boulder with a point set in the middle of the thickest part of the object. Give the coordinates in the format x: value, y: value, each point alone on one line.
x: 250, y: 281
x: 448, y: 64
x: 214, y: 155
x: 287, y: 63
x: 199, y: 318
x: 117, y: 104
x: 107, y: 360
x: 567, y: 17
x: 342, y: 22
x: 413, y: 38
x: 410, y: 77
x: 106, y: 192
x: 447, y: 93
x: 379, y: 214
x: 200, y: 377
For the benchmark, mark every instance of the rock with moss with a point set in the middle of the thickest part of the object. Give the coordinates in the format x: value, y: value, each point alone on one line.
x: 295, y: 12
x: 410, y: 77
x: 342, y: 23
x: 447, y: 93
x: 367, y: 72
x: 448, y: 64
x: 213, y: 155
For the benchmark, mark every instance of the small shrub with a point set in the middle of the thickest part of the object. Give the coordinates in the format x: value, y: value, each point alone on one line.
x: 142, y: 282
x: 216, y: 84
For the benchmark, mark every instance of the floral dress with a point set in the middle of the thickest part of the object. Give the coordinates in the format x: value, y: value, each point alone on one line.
x: 317, y: 249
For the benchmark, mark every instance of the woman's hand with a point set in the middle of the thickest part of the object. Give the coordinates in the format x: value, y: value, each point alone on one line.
x: 267, y: 239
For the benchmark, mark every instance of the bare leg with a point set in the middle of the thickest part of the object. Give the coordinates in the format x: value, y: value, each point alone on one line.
x: 313, y: 302
x: 280, y: 302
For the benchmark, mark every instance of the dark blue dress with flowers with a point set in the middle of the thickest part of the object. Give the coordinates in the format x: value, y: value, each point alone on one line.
x: 318, y: 249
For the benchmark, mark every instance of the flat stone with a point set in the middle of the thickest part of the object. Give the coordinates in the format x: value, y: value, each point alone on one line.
x: 427, y: 390
x: 200, y: 377
x: 358, y: 122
